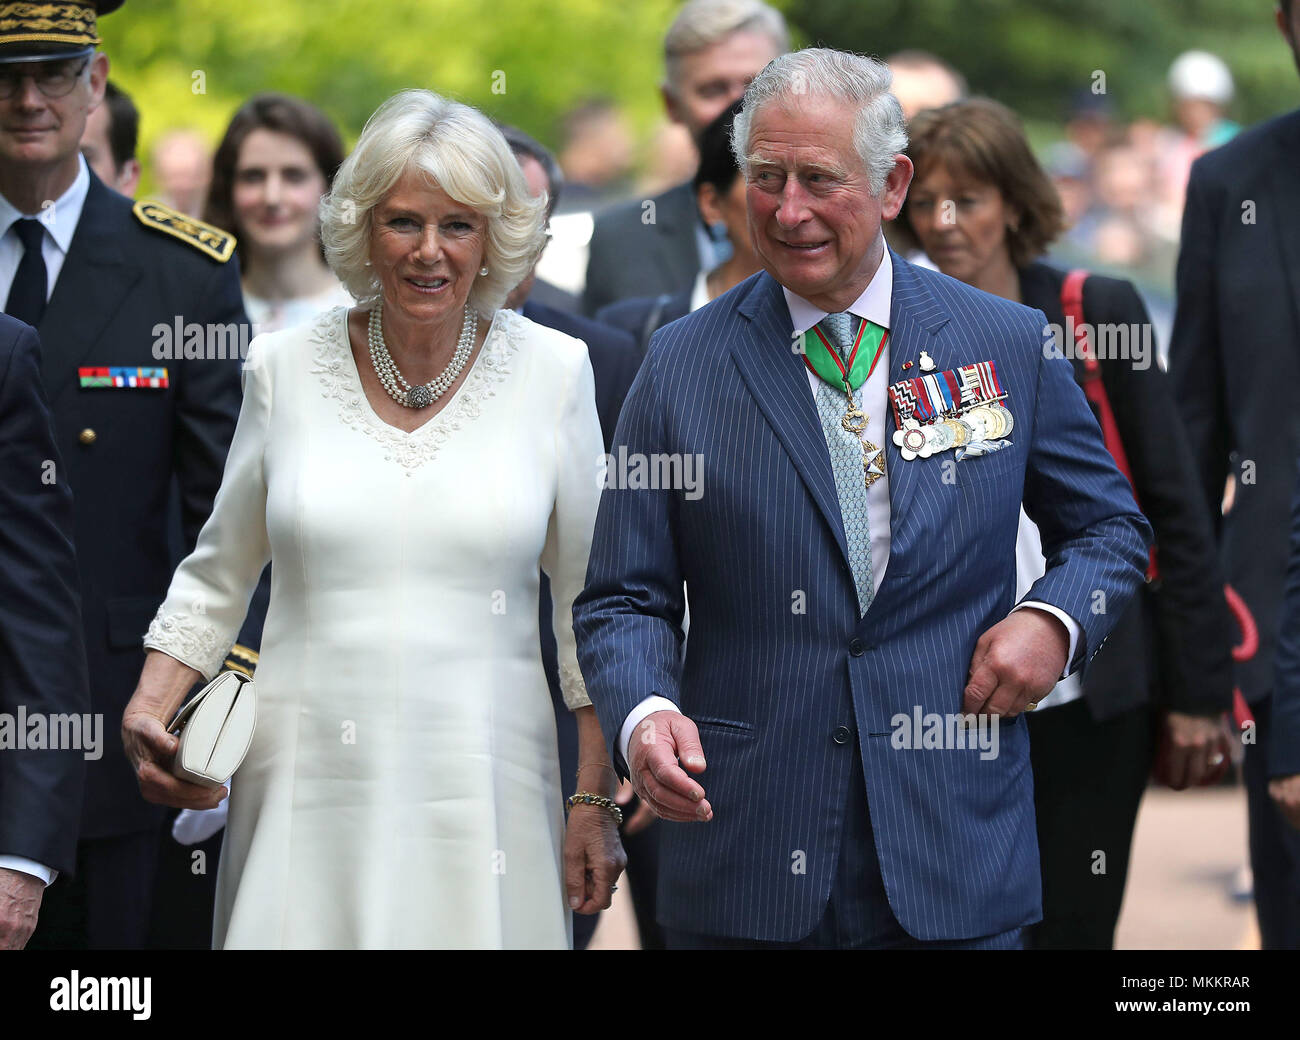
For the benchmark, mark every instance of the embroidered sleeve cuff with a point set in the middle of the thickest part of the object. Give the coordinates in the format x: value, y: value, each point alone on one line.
x: 573, y: 688
x: 191, y: 640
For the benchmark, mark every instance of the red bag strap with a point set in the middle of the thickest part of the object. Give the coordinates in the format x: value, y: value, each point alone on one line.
x: 1094, y: 388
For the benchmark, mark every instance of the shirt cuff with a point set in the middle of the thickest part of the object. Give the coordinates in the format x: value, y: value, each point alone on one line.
x: 1071, y: 626
x: 29, y: 866
x: 648, y: 706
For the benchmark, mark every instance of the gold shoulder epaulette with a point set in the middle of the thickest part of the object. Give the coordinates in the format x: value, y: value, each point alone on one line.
x: 216, y: 243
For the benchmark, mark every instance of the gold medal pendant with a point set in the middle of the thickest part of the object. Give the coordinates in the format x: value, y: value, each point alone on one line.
x: 855, y: 422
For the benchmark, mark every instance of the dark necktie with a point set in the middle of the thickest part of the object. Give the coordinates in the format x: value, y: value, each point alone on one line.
x: 27, y: 294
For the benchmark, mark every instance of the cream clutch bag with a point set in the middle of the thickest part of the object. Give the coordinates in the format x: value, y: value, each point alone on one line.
x: 216, y: 729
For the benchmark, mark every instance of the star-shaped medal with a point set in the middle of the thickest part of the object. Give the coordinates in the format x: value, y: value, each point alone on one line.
x: 873, y: 462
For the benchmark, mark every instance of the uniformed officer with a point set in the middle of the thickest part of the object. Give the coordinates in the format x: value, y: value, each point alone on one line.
x: 142, y: 327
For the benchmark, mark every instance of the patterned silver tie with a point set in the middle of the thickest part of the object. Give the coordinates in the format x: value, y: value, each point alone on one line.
x: 846, y: 462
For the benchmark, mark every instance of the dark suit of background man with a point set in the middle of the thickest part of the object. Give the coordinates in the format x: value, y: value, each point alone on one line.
x: 711, y: 52
x: 1284, y: 748
x: 1235, y: 359
x: 95, y: 278
x: 42, y: 659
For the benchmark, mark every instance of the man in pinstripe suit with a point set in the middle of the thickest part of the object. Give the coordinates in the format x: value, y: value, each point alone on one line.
x: 831, y: 605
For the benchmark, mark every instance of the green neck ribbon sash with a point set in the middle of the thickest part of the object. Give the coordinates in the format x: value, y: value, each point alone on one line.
x: 821, y: 355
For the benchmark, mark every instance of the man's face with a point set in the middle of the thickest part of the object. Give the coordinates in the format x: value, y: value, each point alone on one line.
x: 709, y: 81
x: 35, y: 129
x: 814, y: 222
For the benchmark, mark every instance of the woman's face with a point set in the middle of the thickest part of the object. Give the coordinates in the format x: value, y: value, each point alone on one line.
x: 276, y: 191
x: 961, y: 222
x: 426, y: 250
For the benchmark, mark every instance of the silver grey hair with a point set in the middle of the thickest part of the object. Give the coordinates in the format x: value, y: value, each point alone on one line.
x: 879, y: 130
x: 459, y: 149
x: 702, y: 23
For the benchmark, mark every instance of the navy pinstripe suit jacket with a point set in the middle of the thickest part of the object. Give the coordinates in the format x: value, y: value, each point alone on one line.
x: 778, y: 657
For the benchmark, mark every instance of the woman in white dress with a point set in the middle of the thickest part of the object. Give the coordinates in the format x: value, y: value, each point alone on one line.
x: 406, y: 465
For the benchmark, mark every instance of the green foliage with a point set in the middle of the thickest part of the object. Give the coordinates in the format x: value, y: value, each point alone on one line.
x: 1035, y: 54
x: 191, y: 62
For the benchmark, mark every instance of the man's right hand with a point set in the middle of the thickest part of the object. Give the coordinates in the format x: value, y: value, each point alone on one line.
x: 1285, y: 791
x: 20, y: 902
x: 665, y: 746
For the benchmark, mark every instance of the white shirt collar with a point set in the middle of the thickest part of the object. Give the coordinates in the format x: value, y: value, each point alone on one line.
x: 700, y: 290
x: 67, y: 209
x: 873, y: 304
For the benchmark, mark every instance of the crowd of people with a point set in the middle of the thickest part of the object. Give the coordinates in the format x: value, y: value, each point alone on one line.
x: 886, y: 662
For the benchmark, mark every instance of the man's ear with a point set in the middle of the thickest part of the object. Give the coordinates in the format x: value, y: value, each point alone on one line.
x: 706, y: 196
x: 896, y: 185
x: 98, y: 79
x: 671, y: 104
x: 129, y: 179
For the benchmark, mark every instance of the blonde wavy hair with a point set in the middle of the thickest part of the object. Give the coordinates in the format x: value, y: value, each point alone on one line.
x: 459, y: 149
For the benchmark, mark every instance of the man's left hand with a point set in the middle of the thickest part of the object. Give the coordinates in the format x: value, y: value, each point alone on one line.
x: 1015, y: 662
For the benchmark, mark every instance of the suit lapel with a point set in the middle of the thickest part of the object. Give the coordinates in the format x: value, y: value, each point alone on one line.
x: 775, y: 374
x: 1285, y: 204
x: 914, y: 316
x: 93, y: 283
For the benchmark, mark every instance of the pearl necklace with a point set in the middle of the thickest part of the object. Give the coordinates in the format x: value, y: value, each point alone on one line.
x: 398, y: 388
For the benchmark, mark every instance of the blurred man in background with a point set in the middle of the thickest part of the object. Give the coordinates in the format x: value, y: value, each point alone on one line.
x: 182, y: 170
x: 109, y: 143
x: 923, y: 80
x: 650, y: 246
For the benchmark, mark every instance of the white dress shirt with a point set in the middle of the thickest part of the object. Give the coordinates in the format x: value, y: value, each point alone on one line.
x: 873, y: 305
x: 60, y: 222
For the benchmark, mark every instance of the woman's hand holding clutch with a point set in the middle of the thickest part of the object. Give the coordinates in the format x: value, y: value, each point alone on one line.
x: 149, y: 747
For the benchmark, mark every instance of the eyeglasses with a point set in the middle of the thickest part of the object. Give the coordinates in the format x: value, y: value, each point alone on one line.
x: 54, y: 79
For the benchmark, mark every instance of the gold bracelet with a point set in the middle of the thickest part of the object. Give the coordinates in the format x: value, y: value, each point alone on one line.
x: 587, y: 798
x: 596, y: 765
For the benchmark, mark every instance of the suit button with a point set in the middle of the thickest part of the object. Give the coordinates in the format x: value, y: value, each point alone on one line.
x: 87, y: 436
x: 842, y: 735
x: 856, y: 648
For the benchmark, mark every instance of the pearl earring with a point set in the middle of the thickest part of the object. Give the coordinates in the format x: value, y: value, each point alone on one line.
x: 483, y: 269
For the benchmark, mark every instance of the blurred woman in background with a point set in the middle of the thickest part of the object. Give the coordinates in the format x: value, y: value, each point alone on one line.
x: 984, y: 211
x: 276, y: 160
